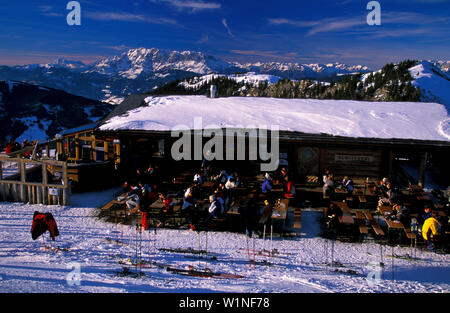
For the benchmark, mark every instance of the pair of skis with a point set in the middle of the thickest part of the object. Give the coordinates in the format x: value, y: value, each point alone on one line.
x: 54, y: 249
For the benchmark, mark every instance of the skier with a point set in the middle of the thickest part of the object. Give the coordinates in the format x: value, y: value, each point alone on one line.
x: 145, y: 199
x: 214, y: 211
x: 431, y: 231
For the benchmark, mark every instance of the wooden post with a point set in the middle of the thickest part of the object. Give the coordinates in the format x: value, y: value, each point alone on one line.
x: 44, y: 183
x: 22, y: 187
x: 59, y: 147
x: 422, y: 168
x: 105, y: 145
x: 39, y: 195
x: 2, y: 192
x: 77, y: 148
x: 65, y: 191
x: 94, y: 153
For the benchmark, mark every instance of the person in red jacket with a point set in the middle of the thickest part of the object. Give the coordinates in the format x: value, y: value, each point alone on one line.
x: 43, y: 222
x: 10, y: 147
x: 168, y: 207
x: 289, y: 188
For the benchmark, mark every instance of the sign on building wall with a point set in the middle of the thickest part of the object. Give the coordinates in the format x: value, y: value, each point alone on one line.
x: 353, y: 158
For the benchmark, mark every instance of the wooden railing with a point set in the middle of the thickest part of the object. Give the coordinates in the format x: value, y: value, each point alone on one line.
x: 16, y: 184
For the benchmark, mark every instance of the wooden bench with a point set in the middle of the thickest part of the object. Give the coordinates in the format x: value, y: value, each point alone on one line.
x: 361, y: 222
x: 114, y: 202
x: 343, y: 206
x: 362, y: 201
x: 376, y: 228
x: 409, y: 234
x: 297, y: 218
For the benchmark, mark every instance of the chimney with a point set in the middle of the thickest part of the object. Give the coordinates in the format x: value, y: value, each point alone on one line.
x: 213, y: 91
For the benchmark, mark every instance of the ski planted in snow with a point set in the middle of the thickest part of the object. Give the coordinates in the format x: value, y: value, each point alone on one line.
x: 206, y: 273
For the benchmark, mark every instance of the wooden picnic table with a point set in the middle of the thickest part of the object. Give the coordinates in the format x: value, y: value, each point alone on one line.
x: 394, y: 224
x: 279, y: 211
x: 208, y: 184
x: 346, y: 219
x: 115, y: 201
x: 383, y: 209
x: 157, y: 205
x: 340, y: 190
x: 343, y: 206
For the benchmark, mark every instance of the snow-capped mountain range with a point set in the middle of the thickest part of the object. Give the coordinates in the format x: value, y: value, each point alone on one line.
x: 140, y: 70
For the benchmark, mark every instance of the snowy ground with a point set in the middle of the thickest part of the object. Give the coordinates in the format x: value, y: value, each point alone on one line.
x: 26, y: 267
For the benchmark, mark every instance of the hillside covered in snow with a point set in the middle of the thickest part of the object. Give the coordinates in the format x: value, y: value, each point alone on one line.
x: 36, y: 113
x: 307, y: 263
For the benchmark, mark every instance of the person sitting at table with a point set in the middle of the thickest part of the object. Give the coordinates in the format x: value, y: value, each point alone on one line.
x: 334, y: 212
x: 222, y: 177
x: 133, y: 198
x: 328, y: 187
x: 401, y: 214
x: 381, y: 189
x: 167, y: 209
x: 431, y: 231
x: 190, y: 197
x: 389, y: 197
x: 266, y: 191
x: 325, y: 175
x: 215, y: 210
x: 198, y: 178
x: 347, y: 184
x: 280, y: 177
x: 233, y: 182
x: 223, y: 195
x: 289, y: 188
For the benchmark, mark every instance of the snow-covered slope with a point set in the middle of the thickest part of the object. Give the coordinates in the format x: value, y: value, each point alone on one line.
x: 434, y: 84
x: 405, y: 120
x: 36, y: 113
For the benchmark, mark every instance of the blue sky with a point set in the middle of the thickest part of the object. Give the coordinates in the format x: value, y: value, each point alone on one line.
x: 319, y: 31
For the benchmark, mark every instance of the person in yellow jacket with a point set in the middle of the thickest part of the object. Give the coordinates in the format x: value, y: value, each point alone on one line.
x: 431, y: 230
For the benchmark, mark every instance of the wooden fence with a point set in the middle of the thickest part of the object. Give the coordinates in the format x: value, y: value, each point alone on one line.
x: 28, y: 181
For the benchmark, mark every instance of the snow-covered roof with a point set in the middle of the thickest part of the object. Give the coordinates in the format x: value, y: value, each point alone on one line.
x: 357, y: 119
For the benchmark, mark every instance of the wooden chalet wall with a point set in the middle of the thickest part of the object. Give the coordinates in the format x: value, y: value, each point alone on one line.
x: 353, y: 162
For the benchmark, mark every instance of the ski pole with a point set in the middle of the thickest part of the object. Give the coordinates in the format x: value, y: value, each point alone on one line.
x: 148, y: 246
x: 254, y: 261
x: 115, y: 228
x: 271, y: 234
x: 264, y: 238
x: 199, y: 248
x: 248, y: 249
x: 154, y: 247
